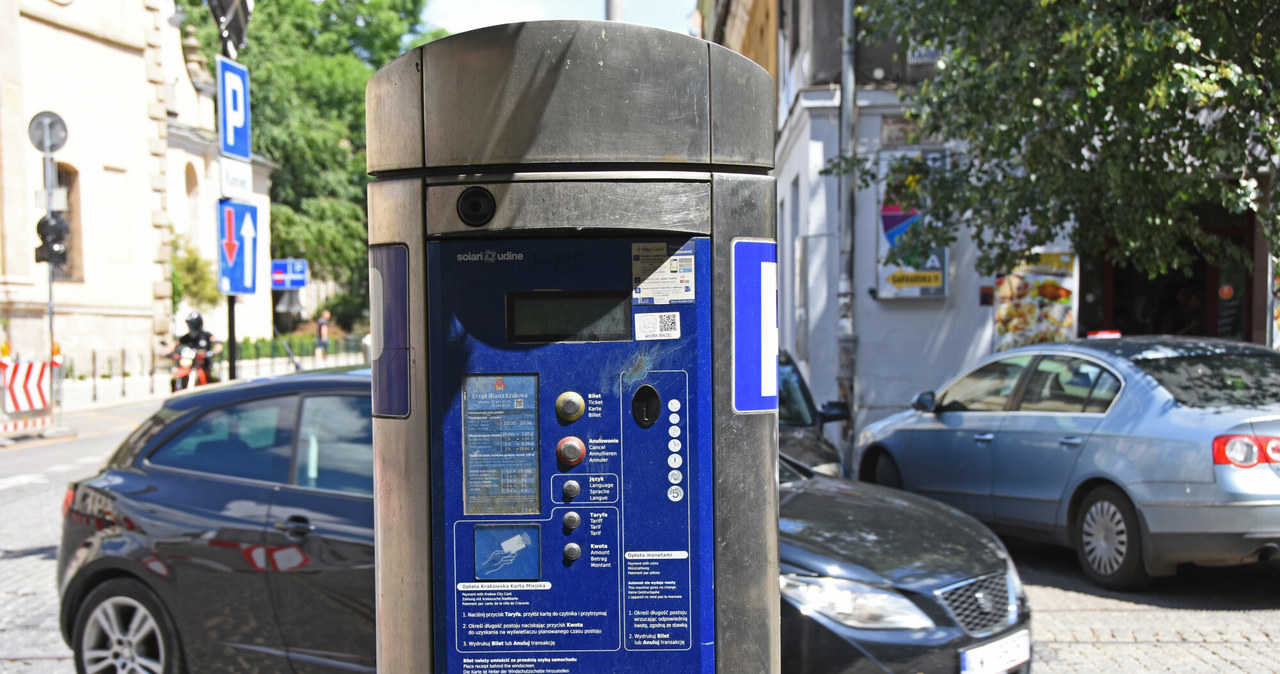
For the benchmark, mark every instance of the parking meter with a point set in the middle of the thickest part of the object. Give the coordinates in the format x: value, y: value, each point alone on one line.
x: 574, y: 327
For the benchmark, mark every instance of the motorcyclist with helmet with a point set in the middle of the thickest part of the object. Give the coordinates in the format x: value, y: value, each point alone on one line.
x: 201, y: 340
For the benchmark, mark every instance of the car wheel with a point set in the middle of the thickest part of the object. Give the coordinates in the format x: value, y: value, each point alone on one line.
x: 122, y: 627
x: 885, y: 472
x: 1108, y: 540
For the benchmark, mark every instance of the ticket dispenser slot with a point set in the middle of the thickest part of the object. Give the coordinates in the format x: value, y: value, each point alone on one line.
x: 575, y: 428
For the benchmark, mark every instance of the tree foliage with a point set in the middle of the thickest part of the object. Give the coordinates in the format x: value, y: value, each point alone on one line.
x: 1128, y: 118
x: 194, y: 278
x: 309, y: 62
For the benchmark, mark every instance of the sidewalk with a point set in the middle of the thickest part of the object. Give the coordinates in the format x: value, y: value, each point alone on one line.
x: 84, y: 394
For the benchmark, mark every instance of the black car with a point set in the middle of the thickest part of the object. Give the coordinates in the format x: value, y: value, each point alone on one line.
x: 800, y: 422
x: 233, y: 532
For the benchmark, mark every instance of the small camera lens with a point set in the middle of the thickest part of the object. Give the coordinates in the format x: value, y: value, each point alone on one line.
x: 476, y: 206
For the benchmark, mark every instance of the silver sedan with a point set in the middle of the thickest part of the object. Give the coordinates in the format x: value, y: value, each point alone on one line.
x: 1141, y: 453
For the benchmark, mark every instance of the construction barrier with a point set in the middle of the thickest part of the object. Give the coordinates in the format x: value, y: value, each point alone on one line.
x: 28, y: 397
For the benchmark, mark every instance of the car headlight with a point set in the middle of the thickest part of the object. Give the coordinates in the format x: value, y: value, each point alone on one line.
x: 853, y: 604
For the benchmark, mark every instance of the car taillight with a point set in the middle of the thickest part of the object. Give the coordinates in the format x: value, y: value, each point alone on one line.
x: 1244, y: 451
x: 67, y: 501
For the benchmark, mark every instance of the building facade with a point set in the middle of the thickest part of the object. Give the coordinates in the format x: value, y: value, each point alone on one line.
x: 875, y: 334
x: 139, y: 167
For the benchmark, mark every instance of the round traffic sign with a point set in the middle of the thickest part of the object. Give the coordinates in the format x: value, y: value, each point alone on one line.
x: 47, y: 131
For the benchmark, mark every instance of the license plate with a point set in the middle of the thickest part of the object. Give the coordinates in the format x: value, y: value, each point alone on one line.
x: 997, y: 656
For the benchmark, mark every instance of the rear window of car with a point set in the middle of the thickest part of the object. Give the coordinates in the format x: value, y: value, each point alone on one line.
x: 247, y: 440
x: 794, y: 406
x: 1218, y: 380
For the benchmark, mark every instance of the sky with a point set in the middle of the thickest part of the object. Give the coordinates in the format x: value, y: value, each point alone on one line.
x: 457, y: 16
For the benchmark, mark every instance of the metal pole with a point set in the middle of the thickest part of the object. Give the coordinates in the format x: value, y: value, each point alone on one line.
x: 231, y: 336
x: 50, y: 182
x: 613, y: 10
x: 847, y: 336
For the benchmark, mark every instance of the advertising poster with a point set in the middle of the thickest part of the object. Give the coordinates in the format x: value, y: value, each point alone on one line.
x: 1274, y: 303
x: 1036, y: 303
x: 924, y: 276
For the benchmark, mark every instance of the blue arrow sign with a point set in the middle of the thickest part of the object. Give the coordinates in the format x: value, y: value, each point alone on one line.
x: 237, y: 248
x: 233, y: 109
x: 288, y: 274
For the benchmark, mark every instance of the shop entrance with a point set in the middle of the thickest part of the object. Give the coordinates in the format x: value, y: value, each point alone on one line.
x: 1213, y: 301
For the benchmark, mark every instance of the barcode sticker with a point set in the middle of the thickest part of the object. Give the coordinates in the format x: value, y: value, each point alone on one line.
x: 658, y: 326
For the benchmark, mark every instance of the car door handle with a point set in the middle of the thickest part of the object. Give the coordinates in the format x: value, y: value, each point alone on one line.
x: 295, y: 527
x: 984, y: 437
x: 1071, y: 441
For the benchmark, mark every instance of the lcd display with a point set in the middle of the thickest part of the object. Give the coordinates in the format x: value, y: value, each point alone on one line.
x: 562, y: 316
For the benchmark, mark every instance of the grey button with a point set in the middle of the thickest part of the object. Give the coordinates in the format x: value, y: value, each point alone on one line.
x: 572, y: 551
x: 572, y: 520
x: 572, y: 489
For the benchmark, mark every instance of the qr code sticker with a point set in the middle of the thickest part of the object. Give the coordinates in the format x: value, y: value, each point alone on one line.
x: 664, y: 325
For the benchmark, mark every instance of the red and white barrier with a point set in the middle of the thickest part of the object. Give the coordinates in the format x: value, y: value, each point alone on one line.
x: 26, y: 386
x: 21, y: 425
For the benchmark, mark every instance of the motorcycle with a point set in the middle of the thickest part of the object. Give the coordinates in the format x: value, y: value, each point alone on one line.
x: 190, y: 368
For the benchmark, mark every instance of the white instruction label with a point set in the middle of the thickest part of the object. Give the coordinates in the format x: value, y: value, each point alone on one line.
x: 658, y: 326
x: 659, y: 276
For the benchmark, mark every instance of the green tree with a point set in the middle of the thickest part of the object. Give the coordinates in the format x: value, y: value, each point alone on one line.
x: 1124, y: 117
x: 193, y: 276
x: 309, y: 62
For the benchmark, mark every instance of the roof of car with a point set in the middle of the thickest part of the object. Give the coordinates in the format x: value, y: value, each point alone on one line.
x: 337, y: 378
x: 1145, y: 347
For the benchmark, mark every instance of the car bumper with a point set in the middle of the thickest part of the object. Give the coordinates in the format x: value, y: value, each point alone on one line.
x: 813, y: 644
x: 1213, y: 533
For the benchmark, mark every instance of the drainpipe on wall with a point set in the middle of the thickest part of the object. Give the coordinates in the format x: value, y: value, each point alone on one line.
x: 846, y: 336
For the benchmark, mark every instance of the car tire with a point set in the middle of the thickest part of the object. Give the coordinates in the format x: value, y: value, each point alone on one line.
x: 885, y: 473
x: 122, y: 622
x: 1108, y: 540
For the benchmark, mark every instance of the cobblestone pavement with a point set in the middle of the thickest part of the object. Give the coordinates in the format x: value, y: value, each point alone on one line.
x: 1203, y: 620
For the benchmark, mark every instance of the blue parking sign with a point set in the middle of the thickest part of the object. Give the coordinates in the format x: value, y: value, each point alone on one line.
x: 233, y: 109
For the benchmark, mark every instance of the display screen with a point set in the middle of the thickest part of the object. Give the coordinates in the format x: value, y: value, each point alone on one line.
x: 563, y: 316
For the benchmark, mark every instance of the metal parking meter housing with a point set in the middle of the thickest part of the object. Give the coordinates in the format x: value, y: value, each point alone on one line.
x: 573, y: 290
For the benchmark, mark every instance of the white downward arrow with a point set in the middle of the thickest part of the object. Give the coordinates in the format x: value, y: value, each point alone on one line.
x: 247, y: 233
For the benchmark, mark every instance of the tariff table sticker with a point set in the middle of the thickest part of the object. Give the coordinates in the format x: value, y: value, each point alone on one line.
x: 500, y: 444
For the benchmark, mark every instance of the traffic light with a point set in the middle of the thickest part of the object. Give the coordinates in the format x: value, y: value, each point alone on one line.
x: 52, y: 230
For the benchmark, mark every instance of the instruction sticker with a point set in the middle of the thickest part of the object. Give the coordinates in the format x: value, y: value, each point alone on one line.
x: 664, y: 325
x: 660, y: 276
x: 500, y: 444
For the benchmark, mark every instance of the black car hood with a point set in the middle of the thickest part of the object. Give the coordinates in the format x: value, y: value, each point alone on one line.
x: 873, y: 534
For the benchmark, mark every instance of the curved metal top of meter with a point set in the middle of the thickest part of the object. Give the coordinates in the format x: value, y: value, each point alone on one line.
x: 570, y: 95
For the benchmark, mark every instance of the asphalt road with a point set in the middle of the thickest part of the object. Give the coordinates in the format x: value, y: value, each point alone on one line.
x: 1203, y: 620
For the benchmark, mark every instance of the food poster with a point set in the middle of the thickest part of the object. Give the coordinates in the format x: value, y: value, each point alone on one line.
x: 1274, y: 302
x: 923, y: 276
x: 1036, y: 303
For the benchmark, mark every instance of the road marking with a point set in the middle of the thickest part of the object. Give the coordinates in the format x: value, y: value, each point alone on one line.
x: 20, y: 480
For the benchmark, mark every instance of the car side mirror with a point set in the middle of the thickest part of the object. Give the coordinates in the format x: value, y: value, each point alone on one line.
x: 834, y: 410
x: 925, y: 402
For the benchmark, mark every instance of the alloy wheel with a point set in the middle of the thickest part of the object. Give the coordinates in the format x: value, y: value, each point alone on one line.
x: 122, y: 636
x: 1105, y: 537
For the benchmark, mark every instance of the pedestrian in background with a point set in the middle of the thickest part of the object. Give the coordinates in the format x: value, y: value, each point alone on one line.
x: 322, y: 336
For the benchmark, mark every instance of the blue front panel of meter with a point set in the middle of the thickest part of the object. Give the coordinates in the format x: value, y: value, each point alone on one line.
x: 576, y: 537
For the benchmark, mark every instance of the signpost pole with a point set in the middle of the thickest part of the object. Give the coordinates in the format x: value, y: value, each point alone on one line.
x: 231, y: 336
x: 50, y: 183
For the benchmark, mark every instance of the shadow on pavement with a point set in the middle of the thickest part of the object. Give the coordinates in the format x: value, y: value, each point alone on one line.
x: 1234, y: 588
x: 48, y: 552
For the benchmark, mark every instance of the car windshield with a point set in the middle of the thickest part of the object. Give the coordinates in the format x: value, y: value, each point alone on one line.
x: 794, y: 406
x: 1218, y: 380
